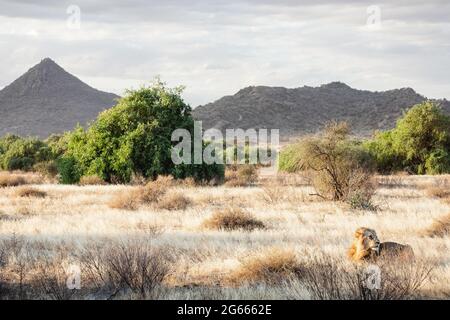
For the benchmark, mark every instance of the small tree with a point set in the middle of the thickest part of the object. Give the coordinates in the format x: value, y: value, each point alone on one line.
x: 339, y: 168
x: 134, y: 137
x: 420, y: 143
x: 18, y: 153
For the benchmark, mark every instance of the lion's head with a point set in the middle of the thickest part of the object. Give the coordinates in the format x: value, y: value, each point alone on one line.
x: 365, y: 242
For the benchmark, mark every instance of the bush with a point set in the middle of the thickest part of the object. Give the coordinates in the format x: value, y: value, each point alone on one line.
x: 328, y: 278
x: 91, y: 181
x: 440, y: 227
x: 134, y: 137
x: 136, y: 267
x: 128, y: 200
x: 69, y: 172
x: 47, y: 168
x: 18, y: 153
x: 336, y: 166
x: 272, y: 265
x: 30, y: 192
x: 11, y: 180
x: 232, y: 219
x: 420, y: 143
x: 173, y: 201
x: 241, y: 175
x: 154, y: 190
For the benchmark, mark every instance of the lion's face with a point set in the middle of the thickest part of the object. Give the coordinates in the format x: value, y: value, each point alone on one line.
x: 368, y: 238
x: 365, y: 242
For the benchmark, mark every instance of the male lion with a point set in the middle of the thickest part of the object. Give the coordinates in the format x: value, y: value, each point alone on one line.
x: 366, y: 246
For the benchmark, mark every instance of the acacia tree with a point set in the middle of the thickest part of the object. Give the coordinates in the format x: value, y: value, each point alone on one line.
x: 133, y: 137
x: 339, y: 168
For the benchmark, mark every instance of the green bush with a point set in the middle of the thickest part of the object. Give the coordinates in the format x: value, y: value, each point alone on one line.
x: 134, y: 137
x: 18, y: 153
x: 420, y: 143
x: 69, y: 172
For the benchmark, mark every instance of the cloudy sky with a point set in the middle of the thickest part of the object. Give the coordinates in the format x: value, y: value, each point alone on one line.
x: 215, y: 48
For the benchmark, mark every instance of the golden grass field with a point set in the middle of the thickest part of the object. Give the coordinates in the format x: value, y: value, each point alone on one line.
x: 293, y: 227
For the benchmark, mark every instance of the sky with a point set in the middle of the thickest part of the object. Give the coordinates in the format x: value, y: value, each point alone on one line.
x: 216, y: 48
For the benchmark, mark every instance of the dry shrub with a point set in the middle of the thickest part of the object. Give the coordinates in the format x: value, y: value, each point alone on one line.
x: 391, y: 181
x: 30, y: 192
x: 17, y: 178
x: 155, y: 190
x: 272, y: 266
x: 173, y: 201
x: 439, y: 228
x: 241, y: 175
x: 15, y: 268
x: 437, y: 192
x: 50, y: 275
x: 272, y: 192
x: 329, y: 278
x: 188, y: 182
x: 132, y: 267
x: 92, y: 180
x: 128, y: 200
x: 47, y: 169
x: 232, y: 219
x: 11, y: 180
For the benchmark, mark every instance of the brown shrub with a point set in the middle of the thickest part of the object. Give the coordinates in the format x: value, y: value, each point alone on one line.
x: 247, y: 172
x: 440, y: 227
x: 93, y: 180
x: 133, y: 266
x: 232, y: 219
x: 240, y: 175
x: 11, y: 180
x: 155, y: 190
x: 329, y: 278
x: 128, y: 200
x: 173, y: 201
x: 47, y: 169
x: 271, y: 266
x: 272, y: 192
x: 23, y: 192
x: 17, y: 178
x: 437, y: 192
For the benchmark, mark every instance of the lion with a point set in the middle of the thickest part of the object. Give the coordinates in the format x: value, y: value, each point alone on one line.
x: 366, y: 246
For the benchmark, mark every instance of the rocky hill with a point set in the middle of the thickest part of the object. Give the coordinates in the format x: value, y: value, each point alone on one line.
x: 47, y: 99
x: 304, y: 110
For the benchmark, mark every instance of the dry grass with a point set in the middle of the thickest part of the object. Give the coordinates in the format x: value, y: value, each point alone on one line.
x: 440, y: 227
x: 14, y: 179
x: 173, y: 201
x: 27, y: 191
x: 232, y: 219
x: 270, y: 266
x: 241, y: 175
x: 155, y: 190
x: 11, y: 180
x: 91, y: 181
x: 129, y: 200
x: 437, y: 192
x: 73, y: 218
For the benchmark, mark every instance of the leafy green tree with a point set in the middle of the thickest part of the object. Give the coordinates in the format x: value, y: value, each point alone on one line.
x: 18, y: 153
x: 420, y: 143
x: 134, y: 137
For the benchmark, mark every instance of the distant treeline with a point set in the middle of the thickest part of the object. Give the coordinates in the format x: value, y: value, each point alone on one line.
x: 134, y: 138
x: 419, y: 144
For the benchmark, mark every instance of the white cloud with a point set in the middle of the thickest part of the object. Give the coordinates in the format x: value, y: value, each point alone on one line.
x: 216, y: 48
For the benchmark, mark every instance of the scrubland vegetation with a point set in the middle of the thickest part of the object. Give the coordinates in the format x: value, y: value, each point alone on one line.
x: 274, y: 239
x: 108, y: 204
